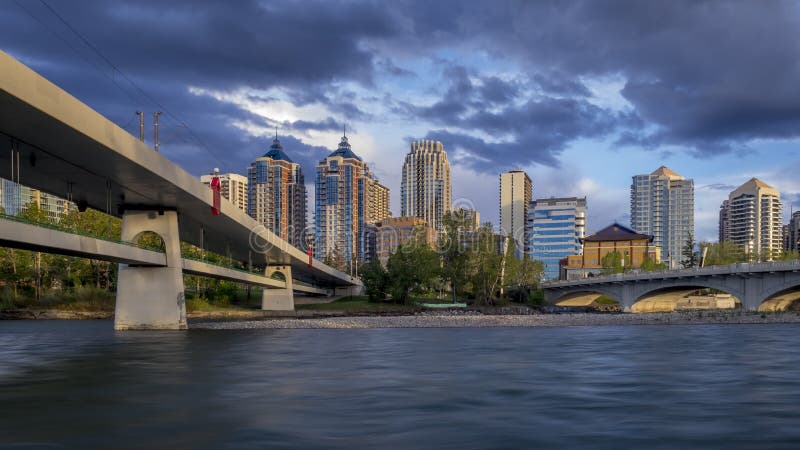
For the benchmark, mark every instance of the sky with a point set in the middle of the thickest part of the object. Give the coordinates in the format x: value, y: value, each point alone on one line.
x: 582, y: 95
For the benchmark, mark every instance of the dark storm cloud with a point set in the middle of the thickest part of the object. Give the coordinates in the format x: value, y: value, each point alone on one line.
x: 708, y: 77
x: 705, y: 76
x: 164, y: 48
x: 517, y: 126
x: 719, y: 187
x: 329, y: 124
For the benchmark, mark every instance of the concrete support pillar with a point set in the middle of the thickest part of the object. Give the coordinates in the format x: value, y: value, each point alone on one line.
x: 626, y: 297
x: 751, y: 299
x: 278, y: 299
x: 151, y: 297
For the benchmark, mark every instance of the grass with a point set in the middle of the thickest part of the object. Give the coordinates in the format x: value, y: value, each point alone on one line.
x: 357, y: 304
x: 202, y: 304
x: 85, y: 298
x: 605, y: 300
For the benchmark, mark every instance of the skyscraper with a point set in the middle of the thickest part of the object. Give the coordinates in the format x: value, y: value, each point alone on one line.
x: 379, y: 201
x: 516, y: 191
x: 662, y: 205
x: 343, y: 207
x: 425, y: 190
x: 277, y: 194
x: 753, y: 213
x: 232, y: 186
x: 792, y: 236
x: 557, y: 226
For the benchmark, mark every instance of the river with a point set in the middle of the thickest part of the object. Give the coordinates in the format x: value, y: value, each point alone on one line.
x: 79, y: 384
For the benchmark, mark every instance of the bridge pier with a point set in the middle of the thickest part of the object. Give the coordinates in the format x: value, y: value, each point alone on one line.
x: 278, y: 299
x: 151, y: 297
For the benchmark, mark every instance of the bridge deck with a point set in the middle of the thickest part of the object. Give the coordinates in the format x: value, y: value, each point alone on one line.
x: 70, y: 150
x: 738, y: 268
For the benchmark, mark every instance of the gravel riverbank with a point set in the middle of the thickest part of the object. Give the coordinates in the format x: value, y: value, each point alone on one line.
x: 539, y: 320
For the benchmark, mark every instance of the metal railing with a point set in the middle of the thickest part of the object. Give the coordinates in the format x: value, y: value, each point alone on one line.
x: 55, y: 227
x: 769, y: 266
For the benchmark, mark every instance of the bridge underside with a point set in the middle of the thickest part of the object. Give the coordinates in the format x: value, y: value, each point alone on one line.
x: 769, y: 292
x: 145, y: 275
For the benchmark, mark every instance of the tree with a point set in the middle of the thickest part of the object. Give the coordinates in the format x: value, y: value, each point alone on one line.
x: 787, y: 255
x: 612, y: 263
x: 722, y: 253
x: 649, y: 265
x: 412, y: 269
x: 522, y: 277
x: 688, y: 256
x: 453, y: 250
x: 376, y: 280
x: 485, y: 263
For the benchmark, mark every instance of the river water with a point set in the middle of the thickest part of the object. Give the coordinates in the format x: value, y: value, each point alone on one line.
x: 78, y: 384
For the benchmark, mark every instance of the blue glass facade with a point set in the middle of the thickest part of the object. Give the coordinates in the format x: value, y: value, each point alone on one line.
x: 556, y: 227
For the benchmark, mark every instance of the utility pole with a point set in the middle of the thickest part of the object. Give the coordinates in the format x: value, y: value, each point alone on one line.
x: 141, y: 125
x: 155, y: 129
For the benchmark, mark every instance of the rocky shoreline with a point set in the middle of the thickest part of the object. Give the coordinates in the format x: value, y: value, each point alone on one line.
x: 432, y: 320
x: 429, y: 319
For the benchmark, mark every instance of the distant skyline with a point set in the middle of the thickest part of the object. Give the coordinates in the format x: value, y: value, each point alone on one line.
x: 581, y: 95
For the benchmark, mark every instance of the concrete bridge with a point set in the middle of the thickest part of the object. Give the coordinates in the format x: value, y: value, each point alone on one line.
x: 769, y: 286
x: 59, y: 145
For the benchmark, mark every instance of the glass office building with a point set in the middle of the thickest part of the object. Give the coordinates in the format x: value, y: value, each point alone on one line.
x: 556, y: 227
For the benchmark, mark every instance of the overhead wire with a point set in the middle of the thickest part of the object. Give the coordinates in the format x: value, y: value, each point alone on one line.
x: 141, y: 91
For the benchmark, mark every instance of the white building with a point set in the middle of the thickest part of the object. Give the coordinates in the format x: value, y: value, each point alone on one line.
x: 232, y: 186
x: 753, y: 213
x: 662, y: 205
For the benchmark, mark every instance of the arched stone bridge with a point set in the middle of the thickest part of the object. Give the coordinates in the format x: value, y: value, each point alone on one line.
x: 766, y: 286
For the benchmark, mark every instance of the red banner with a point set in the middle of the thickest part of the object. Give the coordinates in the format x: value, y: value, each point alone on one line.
x: 216, y: 187
x: 310, y: 256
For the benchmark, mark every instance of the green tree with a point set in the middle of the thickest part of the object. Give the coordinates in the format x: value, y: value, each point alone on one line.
x: 688, y: 256
x: 649, y: 265
x: 522, y: 278
x: 787, y: 255
x: 376, y: 281
x: 411, y: 270
x: 452, y: 247
x: 722, y: 253
x: 612, y: 263
x: 485, y: 262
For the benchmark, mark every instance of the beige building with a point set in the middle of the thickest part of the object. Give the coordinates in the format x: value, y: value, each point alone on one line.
x: 516, y: 190
x: 379, y: 202
x: 232, y: 186
x: 425, y: 190
x: 395, y: 231
x: 753, y: 219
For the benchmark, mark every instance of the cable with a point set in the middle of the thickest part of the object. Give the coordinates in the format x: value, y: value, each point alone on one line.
x: 136, y: 86
x: 71, y: 47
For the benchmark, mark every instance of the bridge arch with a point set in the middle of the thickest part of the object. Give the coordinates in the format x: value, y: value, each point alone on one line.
x: 584, y: 297
x: 278, y: 275
x: 780, y: 298
x: 667, y: 299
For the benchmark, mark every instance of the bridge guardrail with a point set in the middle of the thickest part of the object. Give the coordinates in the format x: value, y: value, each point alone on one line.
x: 55, y: 227
x: 793, y: 264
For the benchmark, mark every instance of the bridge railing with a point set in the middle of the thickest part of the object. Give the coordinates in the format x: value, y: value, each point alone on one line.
x: 56, y: 227
x: 768, y: 266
